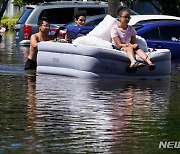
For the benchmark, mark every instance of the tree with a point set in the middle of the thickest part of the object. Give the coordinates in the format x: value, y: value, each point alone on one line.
x: 18, y: 3
x: 112, y: 6
x: 3, y: 8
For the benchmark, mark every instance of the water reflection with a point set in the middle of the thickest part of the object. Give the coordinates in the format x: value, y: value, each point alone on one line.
x: 31, y: 98
x: 9, y: 59
x: 54, y: 114
x: 94, y: 115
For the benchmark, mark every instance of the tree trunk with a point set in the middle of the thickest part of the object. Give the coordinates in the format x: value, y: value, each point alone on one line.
x: 3, y: 8
x: 112, y: 6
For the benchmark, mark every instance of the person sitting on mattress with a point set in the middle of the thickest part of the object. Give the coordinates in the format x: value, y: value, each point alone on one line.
x: 124, y: 37
x: 73, y: 31
x: 42, y: 35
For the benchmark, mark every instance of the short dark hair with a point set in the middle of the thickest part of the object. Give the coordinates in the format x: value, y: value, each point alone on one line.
x: 121, y: 9
x: 80, y: 13
x: 40, y: 21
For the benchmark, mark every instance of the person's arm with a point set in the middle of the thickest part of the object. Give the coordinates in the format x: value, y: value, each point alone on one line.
x: 133, y: 42
x: 117, y: 40
x: 133, y: 39
x: 34, y: 41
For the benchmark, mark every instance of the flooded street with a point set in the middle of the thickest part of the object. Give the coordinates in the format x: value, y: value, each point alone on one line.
x: 55, y: 114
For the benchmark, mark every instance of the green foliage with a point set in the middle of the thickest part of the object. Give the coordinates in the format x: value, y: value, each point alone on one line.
x: 4, y: 17
x: 9, y: 23
x: 18, y: 3
x: 36, y: 2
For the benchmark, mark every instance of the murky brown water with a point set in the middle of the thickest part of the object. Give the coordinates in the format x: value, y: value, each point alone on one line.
x: 54, y: 114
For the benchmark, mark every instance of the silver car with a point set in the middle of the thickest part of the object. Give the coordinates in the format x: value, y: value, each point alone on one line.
x: 59, y: 13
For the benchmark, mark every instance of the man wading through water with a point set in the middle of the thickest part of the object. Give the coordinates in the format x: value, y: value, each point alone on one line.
x: 42, y: 35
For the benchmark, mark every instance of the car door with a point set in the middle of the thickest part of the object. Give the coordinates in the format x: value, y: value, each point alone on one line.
x: 161, y: 37
x: 170, y: 39
x: 152, y: 36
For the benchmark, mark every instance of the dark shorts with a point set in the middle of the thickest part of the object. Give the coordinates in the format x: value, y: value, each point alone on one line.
x: 30, y: 65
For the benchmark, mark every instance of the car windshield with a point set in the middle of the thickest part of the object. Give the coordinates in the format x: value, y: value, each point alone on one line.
x: 24, y: 16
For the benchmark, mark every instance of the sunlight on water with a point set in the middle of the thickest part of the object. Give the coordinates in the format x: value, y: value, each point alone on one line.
x: 95, y: 115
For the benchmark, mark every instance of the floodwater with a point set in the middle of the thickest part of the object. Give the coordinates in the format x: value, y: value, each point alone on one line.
x: 54, y: 114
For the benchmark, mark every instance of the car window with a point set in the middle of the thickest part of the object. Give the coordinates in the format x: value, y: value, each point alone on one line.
x: 169, y: 32
x: 59, y: 15
x: 24, y: 16
x: 93, y: 11
x: 152, y: 35
x: 137, y: 26
x: 94, y: 22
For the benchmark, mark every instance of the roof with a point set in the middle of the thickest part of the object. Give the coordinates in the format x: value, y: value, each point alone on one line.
x: 30, y: 6
x: 137, y: 18
x: 158, y: 23
x: 73, y: 2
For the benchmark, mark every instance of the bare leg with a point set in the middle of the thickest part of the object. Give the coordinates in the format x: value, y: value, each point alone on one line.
x: 143, y: 56
x: 130, y: 53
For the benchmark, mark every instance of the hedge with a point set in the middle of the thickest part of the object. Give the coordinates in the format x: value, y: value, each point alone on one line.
x: 9, y: 23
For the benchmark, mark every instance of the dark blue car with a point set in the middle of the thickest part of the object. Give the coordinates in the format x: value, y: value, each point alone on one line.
x: 161, y: 35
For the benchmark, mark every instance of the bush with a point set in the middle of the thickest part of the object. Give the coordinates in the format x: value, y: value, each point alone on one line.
x: 9, y: 23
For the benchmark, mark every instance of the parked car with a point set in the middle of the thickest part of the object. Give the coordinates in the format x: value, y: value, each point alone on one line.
x: 161, y: 35
x: 92, y: 21
x: 60, y: 13
x: 135, y: 19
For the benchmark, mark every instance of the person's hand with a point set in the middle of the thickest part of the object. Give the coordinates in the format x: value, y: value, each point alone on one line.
x: 127, y: 44
x: 135, y: 46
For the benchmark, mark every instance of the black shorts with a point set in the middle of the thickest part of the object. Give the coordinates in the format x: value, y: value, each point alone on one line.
x: 30, y: 65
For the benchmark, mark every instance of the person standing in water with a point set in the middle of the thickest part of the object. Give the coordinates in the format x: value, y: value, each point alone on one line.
x: 124, y: 38
x: 42, y: 35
